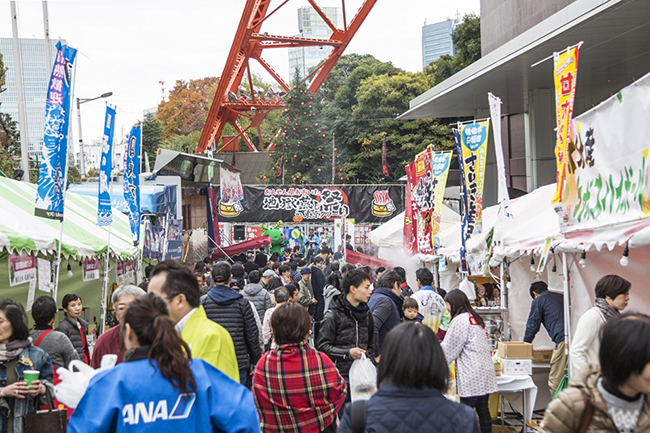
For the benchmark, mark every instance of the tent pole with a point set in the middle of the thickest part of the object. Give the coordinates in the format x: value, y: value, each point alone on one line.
x: 55, y: 292
x: 107, y: 261
x: 567, y: 310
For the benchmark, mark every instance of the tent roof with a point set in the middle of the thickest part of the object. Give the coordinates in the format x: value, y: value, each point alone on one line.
x: 20, y: 229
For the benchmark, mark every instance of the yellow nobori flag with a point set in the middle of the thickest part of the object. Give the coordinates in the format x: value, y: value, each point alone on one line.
x: 565, y: 72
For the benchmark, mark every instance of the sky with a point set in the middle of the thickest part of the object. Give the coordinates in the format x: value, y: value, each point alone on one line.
x: 129, y: 47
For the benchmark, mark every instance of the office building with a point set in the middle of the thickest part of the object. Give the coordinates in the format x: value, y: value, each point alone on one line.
x: 36, y: 78
x: 311, y: 25
x: 516, y: 34
x: 436, y: 40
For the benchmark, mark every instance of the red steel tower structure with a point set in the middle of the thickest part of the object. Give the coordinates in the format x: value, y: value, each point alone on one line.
x: 249, y: 44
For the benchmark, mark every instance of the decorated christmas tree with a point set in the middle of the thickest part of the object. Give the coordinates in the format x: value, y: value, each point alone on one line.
x: 307, y: 144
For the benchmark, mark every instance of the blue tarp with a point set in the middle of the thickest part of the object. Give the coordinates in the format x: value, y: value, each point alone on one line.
x: 159, y: 199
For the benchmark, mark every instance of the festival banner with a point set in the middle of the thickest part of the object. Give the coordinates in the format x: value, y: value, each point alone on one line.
x: 22, y: 268
x: 153, y: 242
x: 410, y: 212
x: 565, y: 71
x: 214, y: 237
x: 502, y: 178
x: 175, y: 229
x: 313, y: 203
x: 473, y: 139
x: 124, y: 272
x: 439, y: 171
x: 44, y: 275
x: 54, y: 153
x: 231, y: 193
x: 132, y: 181
x: 422, y: 195
x: 174, y: 250
x: 91, y: 269
x: 463, y: 198
x: 607, y: 170
x: 104, y: 210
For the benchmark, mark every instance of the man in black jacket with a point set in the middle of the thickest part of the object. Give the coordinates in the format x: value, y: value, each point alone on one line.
x: 232, y: 311
x: 386, y: 306
x: 347, y: 331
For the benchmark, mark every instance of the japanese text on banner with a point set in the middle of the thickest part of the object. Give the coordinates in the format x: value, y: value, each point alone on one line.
x: 439, y: 170
x: 422, y: 196
x: 474, y: 138
x: 49, y: 195
x: 565, y: 72
x: 104, y: 210
x: 131, y: 183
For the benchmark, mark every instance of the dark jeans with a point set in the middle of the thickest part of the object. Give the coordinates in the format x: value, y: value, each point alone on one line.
x: 244, y: 376
x: 480, y: 405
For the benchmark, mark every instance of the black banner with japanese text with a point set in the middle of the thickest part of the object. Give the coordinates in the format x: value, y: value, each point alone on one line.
x: 314, y: 203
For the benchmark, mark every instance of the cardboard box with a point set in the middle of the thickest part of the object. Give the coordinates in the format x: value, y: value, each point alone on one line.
x: 517, y: 367
x: 542, y: 355
x: 515, y: 349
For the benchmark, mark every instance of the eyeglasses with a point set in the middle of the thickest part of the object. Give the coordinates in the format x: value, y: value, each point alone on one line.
x: 169, y: 298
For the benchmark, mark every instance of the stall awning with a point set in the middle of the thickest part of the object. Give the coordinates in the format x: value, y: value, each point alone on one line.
x: 242, y: 247
x: 20, y: 229
x: 615, y: 35
x: 159, y: 199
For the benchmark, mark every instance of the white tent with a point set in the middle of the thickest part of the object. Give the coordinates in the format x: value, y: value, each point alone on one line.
x: 390, y: 234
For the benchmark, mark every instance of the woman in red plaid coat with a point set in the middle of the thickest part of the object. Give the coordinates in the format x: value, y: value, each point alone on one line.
x: 296, y: 388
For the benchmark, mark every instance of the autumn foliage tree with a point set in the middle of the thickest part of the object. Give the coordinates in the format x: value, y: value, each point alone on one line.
x: 186, y: 109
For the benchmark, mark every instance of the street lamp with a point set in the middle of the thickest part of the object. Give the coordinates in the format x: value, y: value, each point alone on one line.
x: 80, y: 101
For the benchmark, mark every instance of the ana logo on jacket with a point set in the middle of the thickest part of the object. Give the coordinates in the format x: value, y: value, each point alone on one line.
x: 152, y: 412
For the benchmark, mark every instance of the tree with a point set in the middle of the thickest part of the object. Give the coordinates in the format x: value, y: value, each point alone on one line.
x: 187, y: 107
x: 152, y: 137
x: 9, y: 134
x: 74, y: 172
x: 305, y: 139
x: 467, y: 39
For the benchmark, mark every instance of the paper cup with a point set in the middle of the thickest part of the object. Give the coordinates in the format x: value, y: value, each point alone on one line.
x: 30, y: 376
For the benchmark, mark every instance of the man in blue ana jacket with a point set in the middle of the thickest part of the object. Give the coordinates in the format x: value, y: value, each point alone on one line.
x: 135, y: 397
x: 548, y: 308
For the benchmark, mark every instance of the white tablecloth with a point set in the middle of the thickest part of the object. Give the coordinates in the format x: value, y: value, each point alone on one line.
x: 513, y: 386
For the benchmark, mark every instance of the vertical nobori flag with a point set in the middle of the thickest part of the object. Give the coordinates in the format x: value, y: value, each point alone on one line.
x: 384, y: 164
x: 105, y: 211
x: 410, y: 212
x: 281, y: 168
x: 439, y: 171
x: 49, y: 196
x: 473, y: 138
x: 463, y: 198
x: 495, y: 114
x: 565, y: 72
x: 132, y: 180
x: 422, y: 195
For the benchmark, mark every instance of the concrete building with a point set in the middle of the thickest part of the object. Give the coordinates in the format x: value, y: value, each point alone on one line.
x: 35, y: 81
x: 311, y: 25
x: 516, y: 34
x: 436, y: 40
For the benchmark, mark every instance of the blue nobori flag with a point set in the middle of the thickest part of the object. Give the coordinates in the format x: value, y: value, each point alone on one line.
x: 463, y: 196
x: 49, y: 196
x: 132, y: 181
x: 104, y: 211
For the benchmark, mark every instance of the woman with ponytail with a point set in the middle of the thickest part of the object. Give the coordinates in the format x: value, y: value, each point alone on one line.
x: 159, y: 388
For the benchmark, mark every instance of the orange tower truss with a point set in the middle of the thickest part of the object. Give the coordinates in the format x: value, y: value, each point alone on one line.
x: 249, y: 44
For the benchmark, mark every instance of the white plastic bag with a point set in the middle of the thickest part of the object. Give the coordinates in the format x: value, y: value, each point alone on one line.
x: 363, y: 379
x: 75, y: 379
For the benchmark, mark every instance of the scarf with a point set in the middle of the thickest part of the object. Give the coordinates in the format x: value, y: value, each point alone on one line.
x: 605, y: 309
x: 359, y: 313
x: 12, y: 349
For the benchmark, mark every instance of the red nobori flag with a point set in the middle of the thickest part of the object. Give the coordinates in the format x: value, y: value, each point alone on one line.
x: 384, y: 165
x: 281, y: 168
x: 410, y: 216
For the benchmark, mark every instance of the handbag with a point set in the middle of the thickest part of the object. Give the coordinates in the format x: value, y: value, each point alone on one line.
x: 47, y: 421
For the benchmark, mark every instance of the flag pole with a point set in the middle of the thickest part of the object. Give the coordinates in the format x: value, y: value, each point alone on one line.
x: 57, y: 263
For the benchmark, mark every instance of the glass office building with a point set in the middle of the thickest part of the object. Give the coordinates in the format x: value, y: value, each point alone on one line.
x: 36, y: 78
x: 436, y: 40
x: 311, y: 25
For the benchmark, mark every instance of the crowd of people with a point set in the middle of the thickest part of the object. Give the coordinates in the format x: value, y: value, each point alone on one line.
x: 251, y: 345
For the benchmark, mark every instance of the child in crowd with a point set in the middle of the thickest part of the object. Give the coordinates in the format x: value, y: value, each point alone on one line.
x: 410, y: 307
